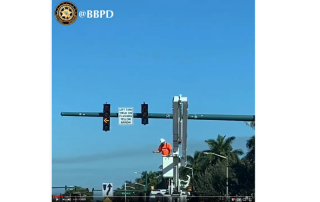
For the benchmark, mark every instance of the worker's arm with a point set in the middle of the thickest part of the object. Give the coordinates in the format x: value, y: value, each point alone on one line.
x: 159, y: 150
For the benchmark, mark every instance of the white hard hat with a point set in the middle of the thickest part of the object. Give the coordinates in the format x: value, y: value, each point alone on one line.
x: 162, y: 140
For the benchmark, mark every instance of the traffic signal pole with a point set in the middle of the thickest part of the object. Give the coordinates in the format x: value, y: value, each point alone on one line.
x: 180, y: 117
x: 217, y: 117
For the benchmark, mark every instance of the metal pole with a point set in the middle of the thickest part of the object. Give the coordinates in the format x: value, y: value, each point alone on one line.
x: 146, y: 186
x: 192, y: 179
x: 221, y: 117
x: 227, y: 189
x: 125, y: 192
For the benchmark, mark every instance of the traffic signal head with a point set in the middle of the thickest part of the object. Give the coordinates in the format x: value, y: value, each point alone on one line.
x: 106, y: 117
x: 144, y: 114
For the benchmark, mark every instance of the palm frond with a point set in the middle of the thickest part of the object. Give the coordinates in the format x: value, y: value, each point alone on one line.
x: 238, y: 152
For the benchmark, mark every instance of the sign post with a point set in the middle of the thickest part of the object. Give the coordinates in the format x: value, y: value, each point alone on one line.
x: 125, y: 115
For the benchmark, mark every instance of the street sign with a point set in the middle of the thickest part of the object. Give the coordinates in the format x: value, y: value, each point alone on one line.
x: 125, y: 115
x: 126, y: 193
x: 107, y: 189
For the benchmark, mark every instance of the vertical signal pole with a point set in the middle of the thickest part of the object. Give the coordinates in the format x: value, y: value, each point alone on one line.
x: 106, y: 117
x: 145, y: 114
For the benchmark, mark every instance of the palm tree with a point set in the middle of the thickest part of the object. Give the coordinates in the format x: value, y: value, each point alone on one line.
x: 248, y: 171
x: 223, y: 146
x: 251, y: 149
x: 251, y: 144
x: 154, y: 178
x: 252, y: 124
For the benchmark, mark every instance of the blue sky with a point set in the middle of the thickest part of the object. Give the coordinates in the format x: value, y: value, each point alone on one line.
x: 148, y: 52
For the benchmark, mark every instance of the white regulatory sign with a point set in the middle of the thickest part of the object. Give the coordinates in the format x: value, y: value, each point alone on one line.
x: 107, y: 189
x: 125, y: 115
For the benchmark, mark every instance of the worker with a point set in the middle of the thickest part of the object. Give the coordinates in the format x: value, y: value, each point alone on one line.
x: 165, y: 148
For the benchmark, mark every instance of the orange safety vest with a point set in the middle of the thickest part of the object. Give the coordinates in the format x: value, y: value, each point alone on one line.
x: 165, y: 149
